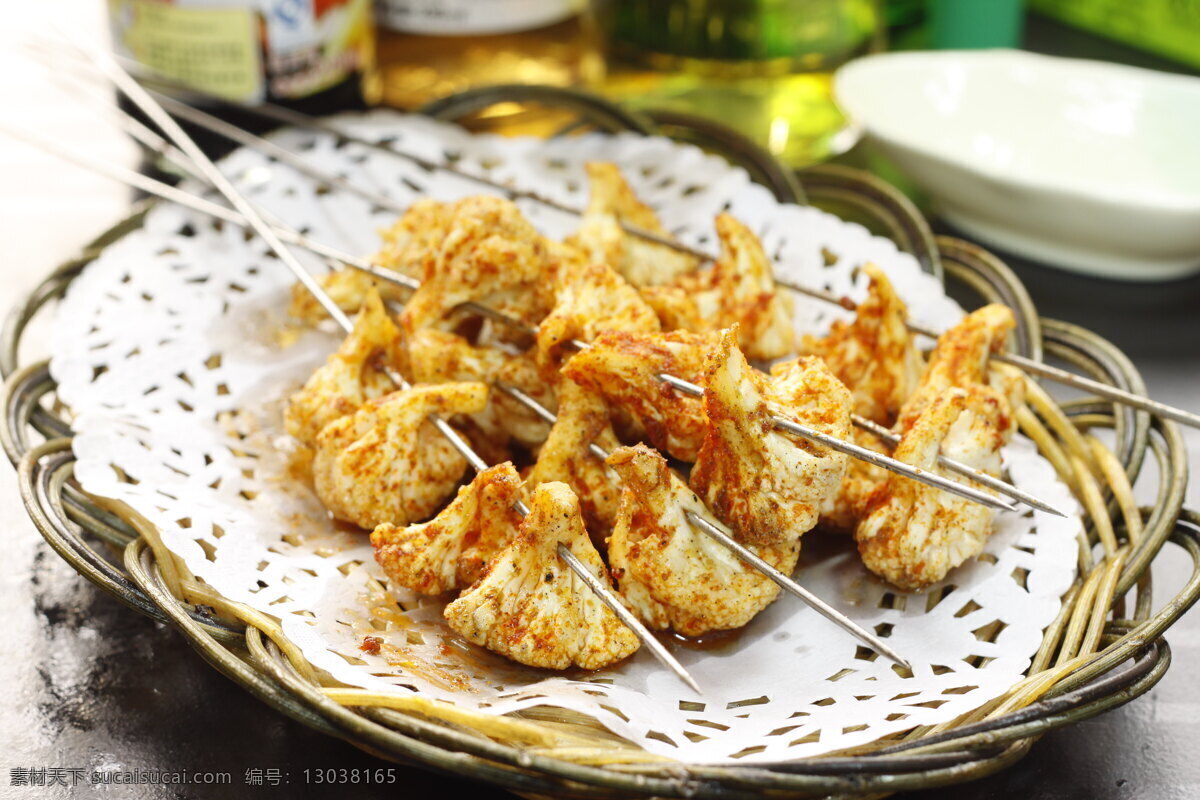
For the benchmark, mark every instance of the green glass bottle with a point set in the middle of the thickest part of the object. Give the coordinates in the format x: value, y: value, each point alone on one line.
x: 763, y: 66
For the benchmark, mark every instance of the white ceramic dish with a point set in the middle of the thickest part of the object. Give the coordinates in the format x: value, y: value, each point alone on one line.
x: 1091, y: 166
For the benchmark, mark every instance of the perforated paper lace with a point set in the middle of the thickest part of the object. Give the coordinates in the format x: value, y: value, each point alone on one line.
x: 174, y: 353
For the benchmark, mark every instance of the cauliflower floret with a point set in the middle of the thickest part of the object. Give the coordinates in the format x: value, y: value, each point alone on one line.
x: 673, y: 575
x: 437, y: 357
x: 1009, y: 382
x: 675, y: 307
x: 582, y: 419
x: 914, y: 534
x: 349, y: 377
x: 862, y: 478
x: 387, y: 462
x: 411, y: 245
x: 875, y: 355
x: 740, y: 290
x: 624, y: 367
x: 490, y: 254
x: 407, y: 247
x: 452, y: 550
x: 744, y: 281
x: 961, y: 359
x: 600, y: 235
x: 767, y: 487
x: 530, y: 606
x: 347, y: 287
x: 589, y: 301
x: 871, y: 352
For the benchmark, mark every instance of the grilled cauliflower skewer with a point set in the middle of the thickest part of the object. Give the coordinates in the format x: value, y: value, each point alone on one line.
x: 489, y: 253
x: 914, y: 534
x: 601, y: 237
x: 739, y: 289
x: 349, y: 377
x: 582, y: 419
x: 874, y: 355
x: 451, y: 550
x: 530, y: 607
x: 767, y: 487
x: 438, y: 356
x: 589, y: 300
x: 387, y: 462
x: 408, y: 247
x: 624, y: 369
x: 671, y: 574
x: 961, y: 359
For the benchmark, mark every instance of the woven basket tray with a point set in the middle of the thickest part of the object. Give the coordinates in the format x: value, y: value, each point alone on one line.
x: 1100, y: 652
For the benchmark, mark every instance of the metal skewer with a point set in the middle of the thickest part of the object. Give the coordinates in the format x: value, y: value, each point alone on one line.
x: 1029, y: 365
x: 706, y: 527
x: 280, y: 114
x: 273, y: 150
x: 204, y: 206
x: 285, y: 156
x: 977, y: 475
x: 861, y: 453
x: 196, y: 203
x: 298, y: 119
x: 281, y: 154
x: 123, y: 81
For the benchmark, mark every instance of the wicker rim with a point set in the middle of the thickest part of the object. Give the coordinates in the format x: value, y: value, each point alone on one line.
x: 247, y: 657
x: 1075, y: 675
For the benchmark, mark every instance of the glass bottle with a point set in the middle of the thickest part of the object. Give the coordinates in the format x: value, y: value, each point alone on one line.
x: 432, y: 48
x: 762, y: 66
x: 315, y: 56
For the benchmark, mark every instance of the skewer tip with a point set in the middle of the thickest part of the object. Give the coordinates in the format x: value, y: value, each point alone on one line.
x: 691, y: 682
x: 892, y: 655
x: 668, y: 660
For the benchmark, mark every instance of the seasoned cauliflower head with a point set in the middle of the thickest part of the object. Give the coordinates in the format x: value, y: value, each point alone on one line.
x: 589, y: 301
x: 489, y: 253
x: 349, y: 377
x: 624, y: 367
x: 387, y: 462
x: 874, y: 355
x: 961, y: 359
x: 768, y: 487
x: 530, y: 606
x: 673, y: 575
x: 914, y: 534
x: 452, y: 550
x: 612, y: 203
x: 582, y: 420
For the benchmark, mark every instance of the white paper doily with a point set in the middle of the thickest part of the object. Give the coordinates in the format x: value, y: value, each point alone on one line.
x: 172, y: 351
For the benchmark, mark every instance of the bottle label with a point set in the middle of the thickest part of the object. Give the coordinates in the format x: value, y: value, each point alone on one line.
x: 247, y: 49
x: 473, y: 17
x: 215, y: 50
x: 315, y: 44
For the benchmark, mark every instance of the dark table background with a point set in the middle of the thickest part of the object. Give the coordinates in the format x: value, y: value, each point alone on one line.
x: 89, y: 684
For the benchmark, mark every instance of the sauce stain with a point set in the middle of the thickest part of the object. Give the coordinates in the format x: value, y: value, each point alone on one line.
x: 708, y: 642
